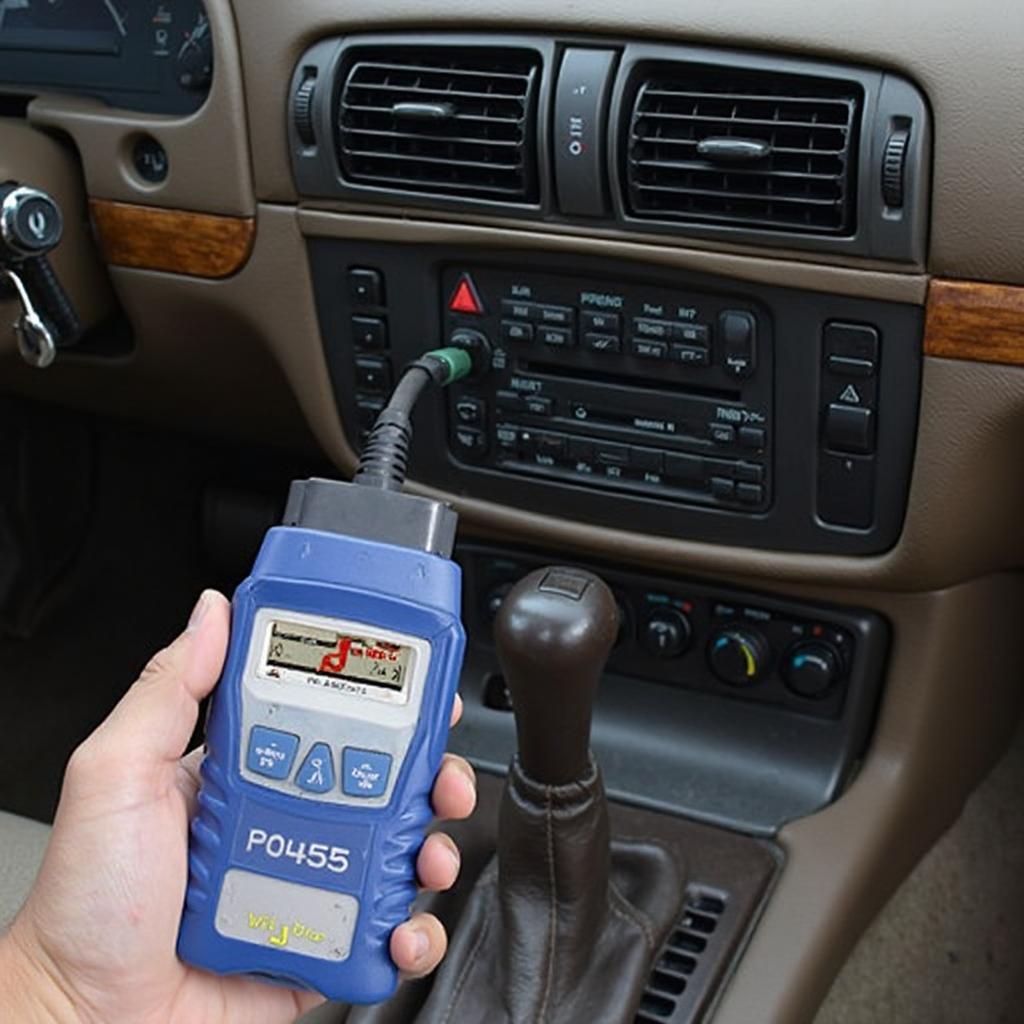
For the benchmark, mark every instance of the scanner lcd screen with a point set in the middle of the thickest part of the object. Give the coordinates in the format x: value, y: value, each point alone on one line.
x: 336, y: 660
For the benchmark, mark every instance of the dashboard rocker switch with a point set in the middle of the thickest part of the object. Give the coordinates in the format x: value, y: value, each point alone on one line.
x: 737, y: 330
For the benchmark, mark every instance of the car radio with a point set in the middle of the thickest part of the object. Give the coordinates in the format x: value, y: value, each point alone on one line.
x: 638, y: 396
x: 650, y: 390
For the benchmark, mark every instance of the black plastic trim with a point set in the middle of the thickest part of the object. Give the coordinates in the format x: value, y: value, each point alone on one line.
x: 881, y: 232
x: 711, y: 756
x: 798, y: 319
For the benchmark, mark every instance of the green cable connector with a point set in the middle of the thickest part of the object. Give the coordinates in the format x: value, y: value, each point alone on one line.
x: 458, y: 361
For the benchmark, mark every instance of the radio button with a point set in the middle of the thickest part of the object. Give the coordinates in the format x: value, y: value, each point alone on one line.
x: 608, y: 453
x: 535, y: 405
x: 750, y: 472
x: 365, y: 286
x: 512, y: 330
x: 470, y: 411
x: 738, y: 332
x: 556, y: 337
x: 509, y: 401
x: 684, y: 467
x: 722, y: 433
x: 469, y: 440
x: 649, y: 349
x: 519, y: 310
x: 691, y: 355
x: 602, y: 342
x: 652, y: 328
x: 723, y: 488
x: 507, y: 437
x: 373, y: 374
x: 557, y: 316
x: 550, y: 444
x: 692, y: 334
x: 648, y: 460
x: 720, y: 467
x: 271, y: 752
x: 364, y: 773
x: 750, y: 494
x: 369, y: 333
x: 752, y: 437
x: 600, y: 323
x: 368, y: 409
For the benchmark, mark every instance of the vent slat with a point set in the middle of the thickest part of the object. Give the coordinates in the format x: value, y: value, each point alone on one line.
x: 667, y: 140
x: 805, y: 182
x: 484, y: 146
x: 671, y: 974
x: 453, y: 140
x: 434, y: 185
x: 706, y: 167
x: 727, y: 194
x: 435, y: 91
x: 440, y: 160
x: 452, y: 69
x: 747, y: 97
x: 760, y: 122
x: 355, y: 109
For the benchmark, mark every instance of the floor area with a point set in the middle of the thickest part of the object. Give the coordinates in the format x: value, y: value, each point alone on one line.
x: 949, y: 946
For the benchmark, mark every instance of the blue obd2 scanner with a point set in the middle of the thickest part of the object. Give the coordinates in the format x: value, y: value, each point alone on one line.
x: 327, y: 727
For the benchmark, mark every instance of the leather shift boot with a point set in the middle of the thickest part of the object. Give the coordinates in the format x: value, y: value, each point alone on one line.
x: 562, y: 926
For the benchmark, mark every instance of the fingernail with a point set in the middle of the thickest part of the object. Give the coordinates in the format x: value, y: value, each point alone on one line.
x: 456, y: 859
x: 199, y: 611
x: 420, y: 944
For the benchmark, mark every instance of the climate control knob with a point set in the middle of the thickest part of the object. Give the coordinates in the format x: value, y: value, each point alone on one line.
x: 738, y: 656
x: 811, y: 667
x: 665, y: 633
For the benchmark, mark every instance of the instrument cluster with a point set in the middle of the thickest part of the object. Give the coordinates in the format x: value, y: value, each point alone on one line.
x: 155, y: 57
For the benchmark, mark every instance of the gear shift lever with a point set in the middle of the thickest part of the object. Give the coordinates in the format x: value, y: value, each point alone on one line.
x: 557, y: 625
x: 563, y: 925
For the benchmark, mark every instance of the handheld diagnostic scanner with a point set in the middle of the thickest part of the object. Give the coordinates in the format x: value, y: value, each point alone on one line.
x: 327, y: 727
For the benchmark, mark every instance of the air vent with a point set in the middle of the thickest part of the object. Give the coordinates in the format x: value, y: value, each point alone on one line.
x: 718, y: 145
x: 452, y: 121
x: 671, y: 976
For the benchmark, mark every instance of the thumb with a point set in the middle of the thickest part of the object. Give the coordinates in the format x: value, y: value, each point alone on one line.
x: 154, y: 720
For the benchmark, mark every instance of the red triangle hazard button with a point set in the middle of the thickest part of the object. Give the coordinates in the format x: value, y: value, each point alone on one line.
x: 465, y: 299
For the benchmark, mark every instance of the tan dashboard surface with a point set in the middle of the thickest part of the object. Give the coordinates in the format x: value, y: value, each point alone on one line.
x: 964, y: 56
x: 241, y: 355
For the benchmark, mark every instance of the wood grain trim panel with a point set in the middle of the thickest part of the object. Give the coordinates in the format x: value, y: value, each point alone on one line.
x: 974, y: 320
x: 176, y: 241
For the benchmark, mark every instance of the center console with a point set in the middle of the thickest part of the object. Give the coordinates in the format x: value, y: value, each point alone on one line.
x: 616, y: 393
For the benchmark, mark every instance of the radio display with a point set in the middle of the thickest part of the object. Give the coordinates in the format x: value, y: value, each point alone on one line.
x: 344, y: 662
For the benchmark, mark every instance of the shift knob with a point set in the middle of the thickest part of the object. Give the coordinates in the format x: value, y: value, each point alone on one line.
x: 554, y: 632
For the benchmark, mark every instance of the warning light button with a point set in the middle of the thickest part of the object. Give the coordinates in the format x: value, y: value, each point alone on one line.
x: 465, y: 298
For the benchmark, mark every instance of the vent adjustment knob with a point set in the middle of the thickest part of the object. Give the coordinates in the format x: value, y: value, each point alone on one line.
x: 894, y: 161
x: 302, y: 110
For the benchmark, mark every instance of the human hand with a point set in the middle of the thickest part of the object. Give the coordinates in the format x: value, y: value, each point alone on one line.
x: 95, y: 940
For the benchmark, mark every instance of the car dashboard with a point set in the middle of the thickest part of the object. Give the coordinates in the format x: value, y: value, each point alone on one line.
x: 750, y: 288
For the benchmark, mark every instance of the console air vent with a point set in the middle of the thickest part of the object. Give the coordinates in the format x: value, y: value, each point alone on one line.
x: 453, y: 121
x: 752, y: 149
x: 667, y: 997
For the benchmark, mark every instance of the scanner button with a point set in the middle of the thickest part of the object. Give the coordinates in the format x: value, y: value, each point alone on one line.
x: 364, y: 772
x: 316, y: 775
x: 271, y: 752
